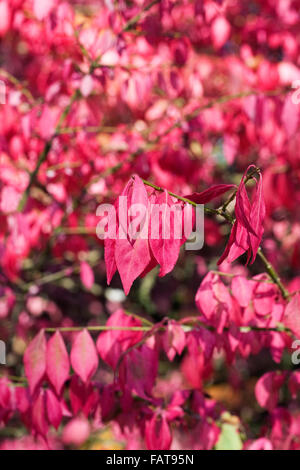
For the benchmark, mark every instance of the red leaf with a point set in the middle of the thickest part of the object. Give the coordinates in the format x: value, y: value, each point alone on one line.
x: 84, y: 357
x: 35, y: 360
x: 84, y: 398
x: 138, y: 371
x: 39, y: 418
x: 58, y: 364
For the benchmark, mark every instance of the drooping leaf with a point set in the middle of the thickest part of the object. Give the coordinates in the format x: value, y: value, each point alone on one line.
x: 164, y: 244
x: 211, y: 193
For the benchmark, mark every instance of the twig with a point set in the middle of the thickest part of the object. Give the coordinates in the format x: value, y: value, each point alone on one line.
x: 274, y: 275
x: 225, y: 214
x: 131, y: 23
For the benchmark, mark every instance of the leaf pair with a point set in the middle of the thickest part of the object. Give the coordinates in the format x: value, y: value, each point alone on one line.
x: 50, y: 359
x: 166, y: 225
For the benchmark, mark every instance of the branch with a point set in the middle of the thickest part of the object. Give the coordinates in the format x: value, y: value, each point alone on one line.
x: 221, y: 100
x: 131, y: 23
x: 273, y: 274
x: 186, y: 322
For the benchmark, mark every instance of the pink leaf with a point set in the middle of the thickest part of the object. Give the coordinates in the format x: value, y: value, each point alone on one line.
x: 138, y: 371
x: 267, y: 389
x: 166, y: 246
x: 86, y: 86
x: 173, y: 340
x: 290, y: 116
x: 42, y: 8
x: 35, y: 360
x: 210, y: 193
x: 111, y: 344
x: 58, y: 365
x: 292, y: 315
x: 294, y: 383
x: 109, y: 257
x: 47, y: 122
x: 230, y: 147
x: 83, y: 397
x: 258, y: 213
x: 158, y: 434
x: 53, y: 408
x: 242, y: 290
x: 220, y: 31
x: 86, y: 275
x: 9, y: 199
x: 39, y: 418
x: 247, y: 231
x: 5, y: 17
x: 205, y: 299
x: 84, y: 357
x: 76, y: 432
x: 260, y: 444
x: 131, y: 260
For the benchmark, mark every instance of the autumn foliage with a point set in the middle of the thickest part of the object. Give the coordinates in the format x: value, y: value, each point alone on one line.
x: 134, y: 342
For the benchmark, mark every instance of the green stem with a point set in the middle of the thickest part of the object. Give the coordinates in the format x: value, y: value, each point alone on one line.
x: 221, y: 273
x: 273, y: 274
x: 185, y: 322
x: 207, y: 210
x: 70, y: 329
